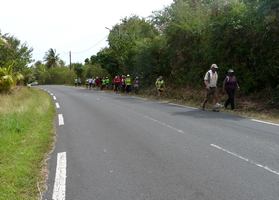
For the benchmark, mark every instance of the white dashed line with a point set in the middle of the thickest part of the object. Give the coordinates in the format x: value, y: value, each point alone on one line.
x: 57, y: 105
x: 51, y: 94
x: 162, y: 123
x: 264, y: 122
x: 59, y: 189
x: 246, y: 159
x: 54, y: 97
x: 60, y: 120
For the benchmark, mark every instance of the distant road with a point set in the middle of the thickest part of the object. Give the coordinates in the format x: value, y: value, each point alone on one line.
x: 113, y: 147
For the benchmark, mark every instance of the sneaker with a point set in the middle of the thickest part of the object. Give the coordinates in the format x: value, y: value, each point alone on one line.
x: 218, y: 105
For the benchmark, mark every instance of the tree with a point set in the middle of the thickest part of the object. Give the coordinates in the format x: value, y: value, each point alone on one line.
x: 14, y: 58
x: 124, y: 37
x: 51, y: 58
x: 12, y: 52
x: 78, y: 68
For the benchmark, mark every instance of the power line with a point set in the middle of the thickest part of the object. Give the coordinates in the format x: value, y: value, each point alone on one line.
x: 85, y: 50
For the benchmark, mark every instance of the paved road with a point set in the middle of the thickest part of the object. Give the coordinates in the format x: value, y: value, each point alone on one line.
x: 127, y: 148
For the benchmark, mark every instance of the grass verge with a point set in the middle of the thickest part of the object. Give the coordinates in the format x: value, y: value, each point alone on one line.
x: 26, y: 135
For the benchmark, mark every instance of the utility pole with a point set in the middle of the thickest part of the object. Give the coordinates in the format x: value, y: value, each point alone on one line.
x: 70, y: 55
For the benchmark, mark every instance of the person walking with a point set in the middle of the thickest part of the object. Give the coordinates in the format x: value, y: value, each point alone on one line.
x: 117, y: 83
x: 210, y: 81
x: 123, y: 85
x: 128, y: 83
x: 160, y: 86
x: 230, y: 85
x: 136, y: 85
x: 90, y: 83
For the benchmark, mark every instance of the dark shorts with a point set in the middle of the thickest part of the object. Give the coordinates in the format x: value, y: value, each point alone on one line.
x: 211, y: 92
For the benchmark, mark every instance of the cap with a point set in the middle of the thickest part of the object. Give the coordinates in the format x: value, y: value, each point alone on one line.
x: 230, y: 71
x: 214, y: 66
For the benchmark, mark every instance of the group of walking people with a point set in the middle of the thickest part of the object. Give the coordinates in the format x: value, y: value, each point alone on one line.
x: 120, y: 83
x: 230, y: 85
x: 125, y: 83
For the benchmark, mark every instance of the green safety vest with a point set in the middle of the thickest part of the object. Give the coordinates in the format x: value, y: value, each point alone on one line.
x: 128, y: 81
x: 159, y: 83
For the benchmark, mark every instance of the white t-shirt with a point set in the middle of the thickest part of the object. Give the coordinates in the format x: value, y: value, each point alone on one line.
x: 212, y: 78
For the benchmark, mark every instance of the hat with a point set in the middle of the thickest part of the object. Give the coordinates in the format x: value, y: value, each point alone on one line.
x: 128, y: 75
x: 230, y: 71
x: 214, y: 66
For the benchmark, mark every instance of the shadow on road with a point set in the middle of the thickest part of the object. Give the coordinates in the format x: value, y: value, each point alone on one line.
x: 208, y: 115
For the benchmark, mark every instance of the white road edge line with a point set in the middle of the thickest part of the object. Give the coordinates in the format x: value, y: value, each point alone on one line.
x: 57, y: 105
x: 246, y: 159
x: 174, y: 104
x: 164, y: 124
x: 60, y: 120
x: 140, y: 98
x: 59, y: 189
x: 264, y: 122
x: 51, y: 94
x: 54, y: 97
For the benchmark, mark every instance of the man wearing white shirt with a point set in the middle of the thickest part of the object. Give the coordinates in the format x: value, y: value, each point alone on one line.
x: 210, y: 81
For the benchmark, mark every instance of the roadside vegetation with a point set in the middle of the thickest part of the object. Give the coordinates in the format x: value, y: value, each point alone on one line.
x: 26, y: 134
x: 179, y: 42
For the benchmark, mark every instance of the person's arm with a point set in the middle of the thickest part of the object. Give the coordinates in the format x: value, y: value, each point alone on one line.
x: 224, y: 84
x: 237, y: 85
x: 206, y: 82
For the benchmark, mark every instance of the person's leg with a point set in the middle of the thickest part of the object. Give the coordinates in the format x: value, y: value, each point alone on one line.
x: 207, y: 95
x: 228, y: 99
x: 232, y: 97
x: 204, y: 102
x: 215, y: 96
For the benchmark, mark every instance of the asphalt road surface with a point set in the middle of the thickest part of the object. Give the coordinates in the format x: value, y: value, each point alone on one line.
x: 117, y: 147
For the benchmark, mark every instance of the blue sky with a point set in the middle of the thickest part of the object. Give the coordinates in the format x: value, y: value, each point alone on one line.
x: 68, y: 25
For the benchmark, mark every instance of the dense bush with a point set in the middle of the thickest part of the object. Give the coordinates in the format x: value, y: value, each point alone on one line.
x: 183, y: 40
x: 57, y: 75
x: 9, y: 78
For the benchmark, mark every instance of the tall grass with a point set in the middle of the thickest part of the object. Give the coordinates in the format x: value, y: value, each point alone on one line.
x: 26, y: 134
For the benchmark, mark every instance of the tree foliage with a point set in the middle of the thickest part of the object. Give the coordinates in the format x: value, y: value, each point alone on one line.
x: 52, y: 59
x: 14, y: 58
x: 184, y: 39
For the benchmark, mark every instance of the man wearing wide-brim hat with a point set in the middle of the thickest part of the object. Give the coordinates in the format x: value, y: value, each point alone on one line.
x: 210, y: 81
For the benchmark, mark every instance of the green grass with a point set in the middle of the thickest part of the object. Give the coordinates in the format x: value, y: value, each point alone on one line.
x: 26, y: 135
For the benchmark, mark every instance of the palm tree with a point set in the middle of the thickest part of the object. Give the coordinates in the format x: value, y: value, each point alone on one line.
x: 51, y: 58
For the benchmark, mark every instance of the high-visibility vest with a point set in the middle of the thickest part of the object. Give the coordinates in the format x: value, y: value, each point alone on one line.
x: 128, y: 81
x: 159, y: 84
